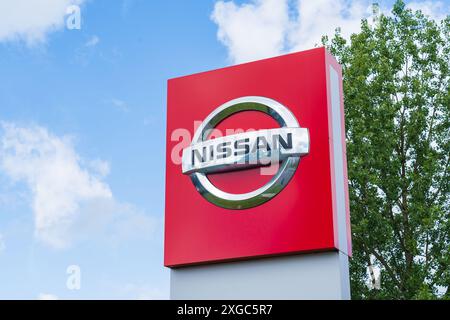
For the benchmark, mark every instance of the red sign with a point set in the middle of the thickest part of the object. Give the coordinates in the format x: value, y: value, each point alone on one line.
x: 217, y: 210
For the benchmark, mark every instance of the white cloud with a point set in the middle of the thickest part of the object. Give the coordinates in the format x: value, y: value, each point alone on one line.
x: 260, y: 29
x: 252, y: 30
x: 70, y: 200
x: 31, y: 21
x: 93, y: 41
x: 100, y: 167
x: 47, y: 296
x: 437, y: 10
x: 322, y: 17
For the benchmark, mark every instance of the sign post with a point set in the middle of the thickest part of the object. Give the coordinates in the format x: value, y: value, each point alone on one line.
x: 256, y: 181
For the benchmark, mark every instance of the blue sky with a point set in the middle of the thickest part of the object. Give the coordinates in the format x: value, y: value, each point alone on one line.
x: 82, y: 135
x: 111, y: 98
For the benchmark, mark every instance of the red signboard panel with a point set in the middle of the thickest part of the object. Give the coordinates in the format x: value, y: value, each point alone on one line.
x: 303, y: 217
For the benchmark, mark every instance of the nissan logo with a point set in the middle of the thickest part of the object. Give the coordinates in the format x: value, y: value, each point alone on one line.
x: 284, y: 145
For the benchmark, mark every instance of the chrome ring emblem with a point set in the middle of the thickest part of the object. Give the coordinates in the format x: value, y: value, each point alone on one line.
x: 284, y: 145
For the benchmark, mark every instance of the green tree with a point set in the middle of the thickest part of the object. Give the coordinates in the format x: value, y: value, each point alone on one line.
x: 397, y: 107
